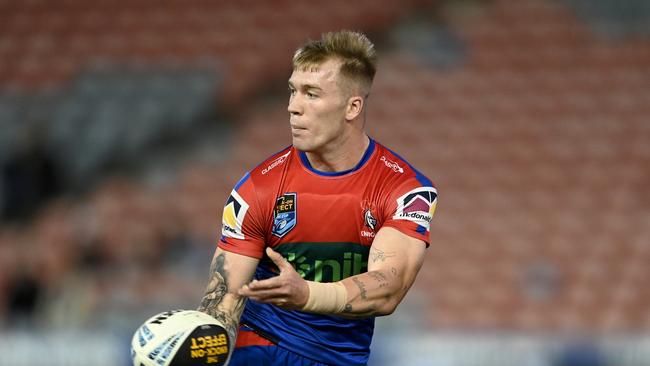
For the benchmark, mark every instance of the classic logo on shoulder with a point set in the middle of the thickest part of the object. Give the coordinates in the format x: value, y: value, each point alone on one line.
x: 233, y: 216
x: 417, y: 205
x: 393, y: 165
x: 285, y: 214
x: 275, y: 163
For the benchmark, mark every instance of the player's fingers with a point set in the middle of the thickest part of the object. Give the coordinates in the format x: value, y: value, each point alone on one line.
x: 269, y: 283
x: 256, y: 288
x: 281, y: 302
x: 268, y: 296
x: 278, y: 259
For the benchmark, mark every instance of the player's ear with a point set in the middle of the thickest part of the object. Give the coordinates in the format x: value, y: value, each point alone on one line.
x: 354, y: 107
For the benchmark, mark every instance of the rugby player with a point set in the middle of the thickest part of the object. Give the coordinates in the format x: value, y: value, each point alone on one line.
x: 325, y: 235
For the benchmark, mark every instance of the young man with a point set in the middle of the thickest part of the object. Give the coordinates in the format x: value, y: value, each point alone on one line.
x: 332, y: 230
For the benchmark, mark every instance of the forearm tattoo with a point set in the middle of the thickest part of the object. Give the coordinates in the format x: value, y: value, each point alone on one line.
x: 380, y: 277
x: 369, y: 307
x: 359, y: 311
x: 362, y: 287
x: 214, y: 295
x: 217, y: 287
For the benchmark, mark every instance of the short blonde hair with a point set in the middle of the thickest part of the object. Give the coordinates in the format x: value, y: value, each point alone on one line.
x: 355, y: 51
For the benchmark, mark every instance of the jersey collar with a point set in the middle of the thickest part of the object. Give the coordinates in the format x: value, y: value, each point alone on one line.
x: 364, y: 158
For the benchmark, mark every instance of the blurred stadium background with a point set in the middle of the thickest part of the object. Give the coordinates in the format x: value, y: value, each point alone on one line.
x: 124, y: 125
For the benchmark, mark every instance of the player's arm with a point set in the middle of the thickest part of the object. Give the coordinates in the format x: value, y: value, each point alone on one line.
x: 228, y: 273
x: 394, y: 261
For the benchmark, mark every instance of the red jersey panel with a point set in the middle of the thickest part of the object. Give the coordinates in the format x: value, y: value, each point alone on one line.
x: 285, y: 200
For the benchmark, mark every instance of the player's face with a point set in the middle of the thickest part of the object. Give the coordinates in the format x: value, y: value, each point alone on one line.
x: 317, y: 105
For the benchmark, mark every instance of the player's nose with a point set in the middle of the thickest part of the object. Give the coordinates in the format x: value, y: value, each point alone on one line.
x: 294, y: 107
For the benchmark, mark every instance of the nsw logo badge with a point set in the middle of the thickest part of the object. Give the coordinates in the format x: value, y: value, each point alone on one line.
x: 285, y: 214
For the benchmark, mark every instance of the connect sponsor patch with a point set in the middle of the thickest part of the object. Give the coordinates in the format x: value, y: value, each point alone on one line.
x: 233, y: 216
x: 417, y: 205
x: 285, y: 215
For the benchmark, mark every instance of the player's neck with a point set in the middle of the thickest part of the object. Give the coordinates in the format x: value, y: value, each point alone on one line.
x: 345, y: 155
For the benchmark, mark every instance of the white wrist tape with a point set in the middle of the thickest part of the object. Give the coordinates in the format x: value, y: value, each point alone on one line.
x: 326, y: 298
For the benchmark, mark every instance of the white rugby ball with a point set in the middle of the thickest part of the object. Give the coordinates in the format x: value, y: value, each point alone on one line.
x: 180, y: 338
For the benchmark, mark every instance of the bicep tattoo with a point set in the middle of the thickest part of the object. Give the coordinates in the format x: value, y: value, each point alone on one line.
x: 377, y: 255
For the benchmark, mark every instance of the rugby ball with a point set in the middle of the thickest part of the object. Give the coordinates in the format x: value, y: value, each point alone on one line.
x: 180, y: 338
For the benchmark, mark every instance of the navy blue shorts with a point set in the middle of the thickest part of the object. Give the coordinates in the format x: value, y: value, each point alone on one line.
x: 254, y: 350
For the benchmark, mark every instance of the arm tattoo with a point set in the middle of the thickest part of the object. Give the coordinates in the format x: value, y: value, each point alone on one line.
x: 380, y: 277
x: 230, y: 324
x: 362, y: 288
x: 361, y: 311
x: 217, y: 287
x: 379, y: 255
x: 214, y: 294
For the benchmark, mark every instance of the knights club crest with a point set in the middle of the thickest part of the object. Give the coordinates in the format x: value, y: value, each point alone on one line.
x: 370, y: 220
x: 285, y: 214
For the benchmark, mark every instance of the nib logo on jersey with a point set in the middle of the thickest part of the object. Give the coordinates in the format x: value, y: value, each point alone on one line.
x: 233, y: 216
x: 285, y: 216
x: 417, y: 205
x: 326, y: 262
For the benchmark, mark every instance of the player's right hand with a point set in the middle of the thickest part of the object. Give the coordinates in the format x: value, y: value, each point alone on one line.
x: 287, y: 290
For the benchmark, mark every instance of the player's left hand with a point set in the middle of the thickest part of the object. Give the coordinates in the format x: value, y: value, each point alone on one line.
x: 287, y: 290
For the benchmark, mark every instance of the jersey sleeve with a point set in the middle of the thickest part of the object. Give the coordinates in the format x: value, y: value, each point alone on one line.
x: 411, y: 207
x: 242, y: 221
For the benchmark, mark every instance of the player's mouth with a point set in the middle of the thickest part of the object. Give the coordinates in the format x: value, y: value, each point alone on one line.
x: 296, y: 130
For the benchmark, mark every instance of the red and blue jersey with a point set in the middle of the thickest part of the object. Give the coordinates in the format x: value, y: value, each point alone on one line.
x: 323, y: 223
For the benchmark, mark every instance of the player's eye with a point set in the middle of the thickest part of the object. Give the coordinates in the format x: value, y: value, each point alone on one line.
x: 292, y: 91
x: 311, y: 95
